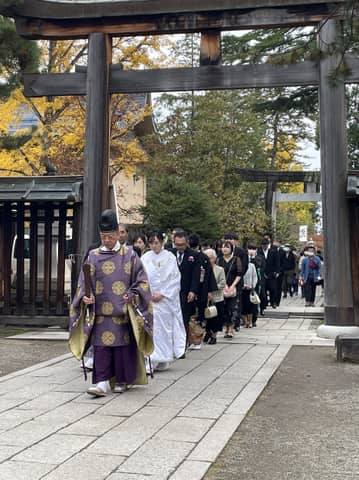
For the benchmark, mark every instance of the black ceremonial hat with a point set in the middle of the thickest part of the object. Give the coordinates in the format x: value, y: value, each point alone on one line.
x: 108, y: 221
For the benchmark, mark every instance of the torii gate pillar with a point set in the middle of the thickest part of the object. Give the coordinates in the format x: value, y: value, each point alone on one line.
x: 338, y: 292
x: 96, y: 166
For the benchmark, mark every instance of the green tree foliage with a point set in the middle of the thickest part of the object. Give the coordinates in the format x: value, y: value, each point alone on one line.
x: 289, y: 113
x: 353, y: 125
x: 351, y: 43
x: 172, y: 202
x: 291, y: 45
x: 16, y: 56
x: 285, y: 109
x: 203, y: 139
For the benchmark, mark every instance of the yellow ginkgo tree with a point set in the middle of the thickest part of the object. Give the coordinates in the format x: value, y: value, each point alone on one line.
x: 286, y: 158
x: 53, y: 136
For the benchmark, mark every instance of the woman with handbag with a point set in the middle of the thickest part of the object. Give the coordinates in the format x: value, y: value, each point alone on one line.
x: 232, y: 268
x: 250, y: 281
x: 214, y: 323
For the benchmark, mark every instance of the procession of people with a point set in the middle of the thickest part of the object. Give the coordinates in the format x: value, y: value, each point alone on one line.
x: 139, y: 308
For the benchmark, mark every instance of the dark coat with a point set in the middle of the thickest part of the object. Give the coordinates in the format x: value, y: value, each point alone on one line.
x: 281, y: 254
x: 272, y: 265
x: 260, y: 264
x: 288, y: 262
x: 190, y: 271
x: 243, y: 255
x: 232, y: 269
x: 207, y: 279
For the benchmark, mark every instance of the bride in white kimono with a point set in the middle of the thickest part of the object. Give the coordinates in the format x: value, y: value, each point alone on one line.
x: 169, y: 334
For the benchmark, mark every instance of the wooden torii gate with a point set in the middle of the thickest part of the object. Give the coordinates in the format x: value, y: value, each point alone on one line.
x: 100, y: 20
x: 271, y: 178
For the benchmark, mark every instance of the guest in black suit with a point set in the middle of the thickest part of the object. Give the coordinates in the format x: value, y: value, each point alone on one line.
x: 207, y: 281
x: 189, y: 267
x: 259, y: 263
x: 289, y: 266
x: 271, y: 271
x: 279, y: 282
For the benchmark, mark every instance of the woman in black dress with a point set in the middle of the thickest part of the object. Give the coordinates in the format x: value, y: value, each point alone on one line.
x: 232, y: 267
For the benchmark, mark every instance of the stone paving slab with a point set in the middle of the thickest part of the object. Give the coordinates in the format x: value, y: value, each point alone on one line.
x: 7, y: 451
x: 24, y: 470
x: 14, y: 417
x: 212, y: 444
x: 100, y: 424
x: 27, y: 434
x: 55, y: 449
x: 26, y: 393
x: 185, y: 429
x: 63, y: 416
x: 204, y: 407
x: 135, y: 476
x: 126, y: 405
x: 48, y: 401
x: 85, y: 466
x: 190, y: 469
x: 48, y: 334
x: 157, y: 457
x: 134, y: 431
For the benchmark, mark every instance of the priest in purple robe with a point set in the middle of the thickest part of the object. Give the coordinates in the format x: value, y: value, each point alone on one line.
x: 116, y: 317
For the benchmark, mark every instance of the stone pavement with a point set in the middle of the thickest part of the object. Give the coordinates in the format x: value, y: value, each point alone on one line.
x: 174, y: 428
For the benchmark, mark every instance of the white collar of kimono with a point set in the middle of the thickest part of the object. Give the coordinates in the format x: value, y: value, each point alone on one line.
x: 116, y: 248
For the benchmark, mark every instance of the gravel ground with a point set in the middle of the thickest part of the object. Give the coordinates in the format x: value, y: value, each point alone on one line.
x: 303, y: 427
x: 18, y: 354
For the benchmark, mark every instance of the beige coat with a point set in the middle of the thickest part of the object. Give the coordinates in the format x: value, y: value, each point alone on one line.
x: 220, y: 277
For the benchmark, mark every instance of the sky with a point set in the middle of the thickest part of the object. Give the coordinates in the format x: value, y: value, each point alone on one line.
x: 311, y: 155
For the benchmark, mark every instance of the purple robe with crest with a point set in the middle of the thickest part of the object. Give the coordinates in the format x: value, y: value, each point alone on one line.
x: 113, y: 274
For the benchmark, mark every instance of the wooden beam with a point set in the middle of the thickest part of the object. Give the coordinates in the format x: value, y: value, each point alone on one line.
x: 261, y: 175
x: 177, y: 79
x: 220, y: 77
x: 130, y: 8
x: 170, y: 23
x: 185, y: 79
x: 57, y: 84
